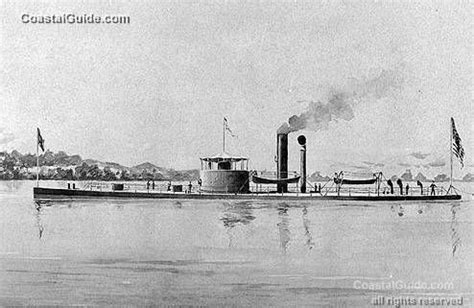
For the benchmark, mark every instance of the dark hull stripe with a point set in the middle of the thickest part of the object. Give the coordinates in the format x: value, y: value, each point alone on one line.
x: 45, y: 193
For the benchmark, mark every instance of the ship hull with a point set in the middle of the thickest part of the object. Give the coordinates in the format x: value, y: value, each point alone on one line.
x: 58, y: 193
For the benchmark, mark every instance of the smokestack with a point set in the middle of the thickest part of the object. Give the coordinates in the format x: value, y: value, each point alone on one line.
x: 302, y: 142
x: 282, y: 159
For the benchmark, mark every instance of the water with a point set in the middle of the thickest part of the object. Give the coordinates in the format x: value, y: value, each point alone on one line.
x: 221, y: 253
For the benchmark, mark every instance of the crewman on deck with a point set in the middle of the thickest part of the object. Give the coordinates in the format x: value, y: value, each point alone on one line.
x: 148, y: 185
x: 153, y: 185
x: 407, y: 188
x: 190, y: 187
x: 169, y: 186
x: 337, y: 181
x: 433, y: 186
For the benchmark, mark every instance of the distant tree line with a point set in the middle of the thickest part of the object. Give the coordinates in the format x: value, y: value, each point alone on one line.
x: 61, y: 166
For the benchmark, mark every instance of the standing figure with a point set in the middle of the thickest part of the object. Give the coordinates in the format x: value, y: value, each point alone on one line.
x: 148, y: 185
x: 169, y: 186
x: 407, y: 188
x: 190, y: 187
x: 337, y: 181
x: 433, y: 186
x: 153, y: 185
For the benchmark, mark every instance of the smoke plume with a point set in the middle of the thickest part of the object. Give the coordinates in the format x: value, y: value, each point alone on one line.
x: 318, y: 115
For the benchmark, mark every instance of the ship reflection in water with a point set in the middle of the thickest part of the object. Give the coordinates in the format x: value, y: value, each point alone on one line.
x: 39, y: 224
x: 203, y: 253
x: 234, y: 215
x: 240, y: 213
x: 455, y: 236
x: 307, y: 232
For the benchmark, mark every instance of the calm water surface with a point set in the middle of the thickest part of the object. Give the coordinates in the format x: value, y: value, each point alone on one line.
x: 221, y: 253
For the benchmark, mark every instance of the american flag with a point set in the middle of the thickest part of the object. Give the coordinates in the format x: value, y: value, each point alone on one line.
x: 456, y: 147
x: 227, y: 128
x: 40, y: 140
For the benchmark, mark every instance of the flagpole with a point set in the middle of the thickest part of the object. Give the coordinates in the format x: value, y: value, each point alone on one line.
x: 37, y: 162
x: 223, y: 136
x: 451, y: 155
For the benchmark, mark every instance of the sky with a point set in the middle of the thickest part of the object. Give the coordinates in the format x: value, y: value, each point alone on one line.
x: 157, y: 89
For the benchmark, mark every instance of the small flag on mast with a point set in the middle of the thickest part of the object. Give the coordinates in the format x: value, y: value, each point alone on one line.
x: 456, y: 147
x: 227, y: 128
x: 40, y: 140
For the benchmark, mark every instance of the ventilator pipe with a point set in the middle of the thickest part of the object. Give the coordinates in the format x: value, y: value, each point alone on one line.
x: 421, y: 186
x: 389, y: 183
x: 400, y: 184
x: 302, y: 183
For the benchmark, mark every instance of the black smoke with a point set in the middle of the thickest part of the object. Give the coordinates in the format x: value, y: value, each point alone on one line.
x: 339, y: 105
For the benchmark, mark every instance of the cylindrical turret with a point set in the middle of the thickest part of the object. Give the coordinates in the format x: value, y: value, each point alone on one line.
x: 224, y: 173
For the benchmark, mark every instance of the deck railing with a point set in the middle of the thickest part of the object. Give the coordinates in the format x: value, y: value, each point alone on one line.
x: 352, y: 190
x: 271, y: 189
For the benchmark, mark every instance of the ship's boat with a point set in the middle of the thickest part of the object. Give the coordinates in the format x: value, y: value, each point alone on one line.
x: 340, y: 180
x: 359, y: 182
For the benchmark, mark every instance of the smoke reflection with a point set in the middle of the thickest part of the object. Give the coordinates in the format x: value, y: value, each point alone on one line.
x: 284, y: 226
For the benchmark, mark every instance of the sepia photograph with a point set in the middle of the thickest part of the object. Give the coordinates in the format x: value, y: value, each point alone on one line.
x: 236, y: 153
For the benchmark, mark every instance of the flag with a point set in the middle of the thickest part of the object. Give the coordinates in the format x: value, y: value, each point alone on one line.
x: 227, y: 128
x: 40, y: 140
x: 456, y: 147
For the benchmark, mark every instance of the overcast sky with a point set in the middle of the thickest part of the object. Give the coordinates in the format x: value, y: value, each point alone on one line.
x: 157, y: 89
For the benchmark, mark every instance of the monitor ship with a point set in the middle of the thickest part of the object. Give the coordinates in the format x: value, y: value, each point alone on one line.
x: 226, y: 176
